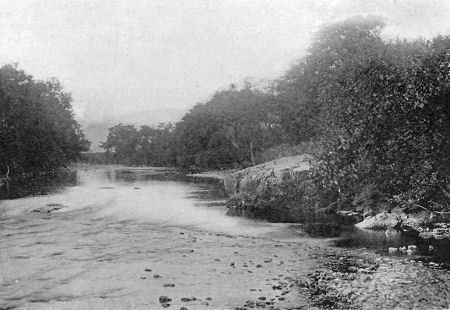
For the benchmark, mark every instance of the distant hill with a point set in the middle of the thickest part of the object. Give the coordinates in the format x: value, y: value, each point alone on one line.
x: 96, y: 131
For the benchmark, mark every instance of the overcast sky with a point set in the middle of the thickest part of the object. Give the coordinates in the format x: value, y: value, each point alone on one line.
x: 123, y: 56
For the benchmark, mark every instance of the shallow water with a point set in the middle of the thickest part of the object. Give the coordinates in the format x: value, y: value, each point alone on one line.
x: 105, y: 226
x: 131, y: 195
x: 83, y: 244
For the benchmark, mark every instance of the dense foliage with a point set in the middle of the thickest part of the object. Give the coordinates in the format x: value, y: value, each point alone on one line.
x: 380, y: 112
x: 37, y: 129
x: 144, y: 146
x: 229, y: 130
x: 375, y: 115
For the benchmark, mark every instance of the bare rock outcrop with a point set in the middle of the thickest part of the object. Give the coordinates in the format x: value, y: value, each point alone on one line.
x: 255, y: 180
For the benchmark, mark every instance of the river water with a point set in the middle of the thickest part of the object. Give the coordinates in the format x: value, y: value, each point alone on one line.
x: 88, y: 245
x: 120, y: 238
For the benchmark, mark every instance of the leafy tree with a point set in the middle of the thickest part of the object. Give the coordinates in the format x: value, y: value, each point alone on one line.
x: 228, y: 129
x: 37, y: 129
x: 380, y: 112
x: 143, y: 146
x: 122, y: 141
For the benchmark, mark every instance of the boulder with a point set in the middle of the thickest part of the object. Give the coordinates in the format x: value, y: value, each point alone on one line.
x: 382, y: 220
x: 439, y: 231
x: 255, y: 180
x: 246, y: 186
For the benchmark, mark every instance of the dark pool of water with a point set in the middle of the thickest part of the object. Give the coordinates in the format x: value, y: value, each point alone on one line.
x: 44, y: 184
x: 387, y: 243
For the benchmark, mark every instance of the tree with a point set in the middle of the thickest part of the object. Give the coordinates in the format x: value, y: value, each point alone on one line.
x: 144, y: 146
x: 380, y: 110
x: 37, y: 129
x: 122, y: 141
x: 228, y: 129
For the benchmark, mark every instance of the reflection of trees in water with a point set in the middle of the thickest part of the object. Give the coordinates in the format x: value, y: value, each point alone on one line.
x: 110, y: 175
x: 40, y: 185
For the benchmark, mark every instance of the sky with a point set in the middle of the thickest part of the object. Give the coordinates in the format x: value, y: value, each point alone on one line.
x: 121, y: 57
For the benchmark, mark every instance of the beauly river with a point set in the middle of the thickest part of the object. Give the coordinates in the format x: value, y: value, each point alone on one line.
x: 119, y: 239
x: 116, y: 238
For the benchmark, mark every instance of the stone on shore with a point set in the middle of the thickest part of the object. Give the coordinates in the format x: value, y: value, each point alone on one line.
x: 256, y: 179
x: 380, y: 221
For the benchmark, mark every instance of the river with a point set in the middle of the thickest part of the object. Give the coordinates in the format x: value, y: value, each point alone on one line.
x: 131, y: 238
x: 119, y: 239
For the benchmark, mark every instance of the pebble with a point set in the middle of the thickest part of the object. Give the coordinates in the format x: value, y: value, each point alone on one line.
x: 188, y: 299
x: 412, y: 247
x: 164, y: 299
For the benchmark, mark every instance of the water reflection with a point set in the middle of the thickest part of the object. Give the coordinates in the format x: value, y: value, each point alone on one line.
x: 41, y: 185
x: 390, y: 242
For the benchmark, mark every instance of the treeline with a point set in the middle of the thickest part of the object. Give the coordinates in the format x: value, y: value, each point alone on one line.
x: 37, y: 130
x: 229, y: 131
x: 144, y: 146
x: 375, y: 114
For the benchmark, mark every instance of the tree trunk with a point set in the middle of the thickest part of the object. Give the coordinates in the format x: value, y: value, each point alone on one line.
x: 252, y: 154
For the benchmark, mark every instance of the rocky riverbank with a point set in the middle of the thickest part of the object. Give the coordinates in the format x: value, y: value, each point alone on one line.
x: 363, y: 280
x: 253, y: 192
x: 427, y: 224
